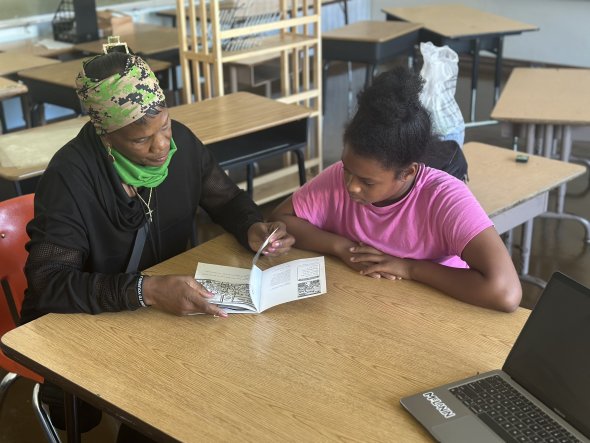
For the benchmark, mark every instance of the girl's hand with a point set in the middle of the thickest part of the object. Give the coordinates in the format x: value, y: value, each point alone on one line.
x: 376, y: 264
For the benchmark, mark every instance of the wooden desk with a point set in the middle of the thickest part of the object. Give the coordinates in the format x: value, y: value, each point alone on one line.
x: 241, y: 127
x: 255, y: 71
x: 160, y: 42
x: 329, y: 368
x: 235, y: 126
x: 554, y: 100
x: 12, y: 62
x: 465, y: 30
x: 43, y: 48
x: 369, y: 42
x: 514, y: 193
x: 9, y: 89
x: 55, y: 83
x: 40, y: 143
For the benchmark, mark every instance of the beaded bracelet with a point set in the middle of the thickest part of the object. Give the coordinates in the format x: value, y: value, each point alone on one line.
x: 140, y: 291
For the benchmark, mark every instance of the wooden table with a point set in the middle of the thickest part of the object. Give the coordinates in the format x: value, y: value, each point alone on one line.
x: 40, y: 47
x: 369, y: 42
x: 41, y: 142
x: 55, y: 84
x: 255, y: 71
x: 12, y: 62
x: 328, y: 368
x: 159, y: 42
x: 554, y: 100
x: 465, y: 30
x: 514, y: 193
x: 9, y: 89
x: 236, y: 126
x: 242, y: 128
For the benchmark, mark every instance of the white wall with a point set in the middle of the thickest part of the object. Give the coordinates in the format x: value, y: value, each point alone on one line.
x: 563, y: 37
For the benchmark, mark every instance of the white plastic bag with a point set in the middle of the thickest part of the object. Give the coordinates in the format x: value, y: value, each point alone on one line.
x: 440, y: 70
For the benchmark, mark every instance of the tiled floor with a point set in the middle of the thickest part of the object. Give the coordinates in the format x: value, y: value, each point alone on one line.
x: 557, y: 245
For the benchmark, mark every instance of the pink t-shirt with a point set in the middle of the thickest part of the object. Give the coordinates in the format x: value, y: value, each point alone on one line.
x: 434, y: 221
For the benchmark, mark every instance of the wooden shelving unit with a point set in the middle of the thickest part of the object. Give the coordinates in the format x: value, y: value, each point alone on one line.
x: 211, y: 36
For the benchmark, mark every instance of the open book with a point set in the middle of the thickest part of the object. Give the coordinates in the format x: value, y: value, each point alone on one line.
x: 240, y: 290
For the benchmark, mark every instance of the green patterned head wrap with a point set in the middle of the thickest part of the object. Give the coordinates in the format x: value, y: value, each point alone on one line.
x: 120, y: 99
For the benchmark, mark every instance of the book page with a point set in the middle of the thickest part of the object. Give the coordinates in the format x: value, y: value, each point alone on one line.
x: 292, y: 281
x: 256, y: 286
x: 230, y: 286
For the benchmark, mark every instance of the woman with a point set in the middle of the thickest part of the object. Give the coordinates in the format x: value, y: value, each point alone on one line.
x: 122, y: 196
x: 385, y: 214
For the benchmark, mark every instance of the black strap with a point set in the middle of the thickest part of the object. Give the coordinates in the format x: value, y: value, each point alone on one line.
x: 137, y: 248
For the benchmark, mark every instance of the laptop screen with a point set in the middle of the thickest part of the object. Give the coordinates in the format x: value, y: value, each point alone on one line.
x: 551, y: 357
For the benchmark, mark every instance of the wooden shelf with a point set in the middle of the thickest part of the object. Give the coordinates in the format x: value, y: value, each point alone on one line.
x: 291, y: 32
x: 270, y: 45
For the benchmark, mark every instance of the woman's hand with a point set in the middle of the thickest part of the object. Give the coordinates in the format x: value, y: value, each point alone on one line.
x: 179, y: 295
x: 279, y: 244
x: 374, y: 263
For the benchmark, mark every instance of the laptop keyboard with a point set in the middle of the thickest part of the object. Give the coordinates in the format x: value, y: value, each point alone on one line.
x: 509, y: 414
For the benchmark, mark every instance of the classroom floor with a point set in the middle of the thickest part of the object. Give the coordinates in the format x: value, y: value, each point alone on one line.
x: 557, y: 245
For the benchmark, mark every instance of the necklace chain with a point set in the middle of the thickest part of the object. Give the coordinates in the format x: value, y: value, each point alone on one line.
x: 149, y: 211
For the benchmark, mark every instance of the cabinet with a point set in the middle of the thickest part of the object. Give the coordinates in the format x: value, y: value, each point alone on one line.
x: 215, y: 33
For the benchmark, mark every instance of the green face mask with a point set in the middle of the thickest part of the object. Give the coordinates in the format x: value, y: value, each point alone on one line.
x: 141, y: 176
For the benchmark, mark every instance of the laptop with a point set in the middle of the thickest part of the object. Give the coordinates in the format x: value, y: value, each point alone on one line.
x: 542, y: 392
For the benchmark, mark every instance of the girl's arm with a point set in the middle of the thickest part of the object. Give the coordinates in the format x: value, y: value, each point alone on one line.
x: 311, y: 238
x: 491, y: 281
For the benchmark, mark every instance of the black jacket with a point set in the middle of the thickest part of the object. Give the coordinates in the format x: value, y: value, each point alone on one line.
x: 85, y: 223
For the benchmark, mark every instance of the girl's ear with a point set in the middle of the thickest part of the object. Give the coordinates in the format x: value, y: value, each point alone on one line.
x: 410, y: 172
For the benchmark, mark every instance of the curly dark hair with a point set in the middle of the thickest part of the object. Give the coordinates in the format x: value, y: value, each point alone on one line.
x: 390, y: 124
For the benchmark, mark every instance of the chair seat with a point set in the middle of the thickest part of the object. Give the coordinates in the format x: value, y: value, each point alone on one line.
x: 11, y: 366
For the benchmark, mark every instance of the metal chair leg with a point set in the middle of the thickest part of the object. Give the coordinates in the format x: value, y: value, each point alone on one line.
x: 43, y: 416
x: 6, y: 383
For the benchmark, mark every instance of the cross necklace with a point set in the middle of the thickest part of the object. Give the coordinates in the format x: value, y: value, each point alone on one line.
x: 149, y: 210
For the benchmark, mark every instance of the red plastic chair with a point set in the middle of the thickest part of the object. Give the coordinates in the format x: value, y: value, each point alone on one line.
x: 15, y: 213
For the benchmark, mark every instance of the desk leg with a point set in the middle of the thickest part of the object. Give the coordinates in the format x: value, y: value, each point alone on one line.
x: 527, y: 240
x: 26, y: 107
x: 326, y: 66
x: 498, y: 73
x: 350, y: 98
x: 233, y: 78
x: 369, y: 73
x: 17, y: 188
x: 345, y: 12
x: 530, y: 138
x: 71, y: 403
x: 474, y: 78
x: 37, y: 114
x: 566, y: 149
x: 3, y: 125
x: 548, y: 141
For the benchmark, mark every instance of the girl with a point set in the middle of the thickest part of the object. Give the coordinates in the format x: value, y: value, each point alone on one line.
x: 386, y: 214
